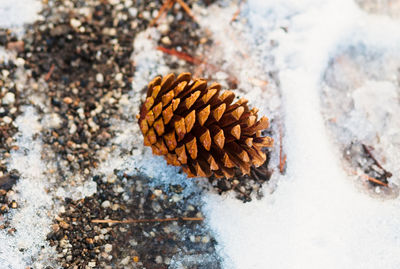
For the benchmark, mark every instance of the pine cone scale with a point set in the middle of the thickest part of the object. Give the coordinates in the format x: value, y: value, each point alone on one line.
x: 197, y: 127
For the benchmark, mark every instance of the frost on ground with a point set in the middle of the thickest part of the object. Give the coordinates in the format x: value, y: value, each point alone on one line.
x: 285, y: 57
x: 27, y: 244
x: 317, y: 217
x: 14, y: 13
x: 361, y: 103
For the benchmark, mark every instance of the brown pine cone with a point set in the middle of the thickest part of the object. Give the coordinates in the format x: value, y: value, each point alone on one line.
x: 200, y: 129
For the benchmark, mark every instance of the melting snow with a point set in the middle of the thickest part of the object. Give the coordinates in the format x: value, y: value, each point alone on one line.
x: 317, y: 217
x: 15, y: 13
x: 32, y: 224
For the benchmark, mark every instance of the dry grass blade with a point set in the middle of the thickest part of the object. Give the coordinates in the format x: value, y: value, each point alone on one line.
x: 374, y: 180
x: 132, y: 221
x: 180, y: 55
x: 48, y: 75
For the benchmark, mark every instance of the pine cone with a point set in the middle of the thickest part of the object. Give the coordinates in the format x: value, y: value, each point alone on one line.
x: 200, y: 129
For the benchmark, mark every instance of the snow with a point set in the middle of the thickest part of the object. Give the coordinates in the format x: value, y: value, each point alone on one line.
x: 363, y: 77
x: 31, y: 222
x: 316, y: 217
x: 15, y: 13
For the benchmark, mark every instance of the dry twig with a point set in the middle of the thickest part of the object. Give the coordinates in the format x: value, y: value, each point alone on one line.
x: 165, y: 7
x: 371, y: 179
x: 48, y: 75
x: 368, y: 151
x: 132, y: 221
x: 374, y: 180
x: 282, y: 157
x: 187, y: 9
x: 237, y: 12
x: 180, y: 55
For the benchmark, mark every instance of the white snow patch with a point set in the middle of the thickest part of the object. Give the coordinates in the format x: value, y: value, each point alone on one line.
x: 316, y: 218
x: 361, y: 96
x: 15, y: 13
x: 31, y: 221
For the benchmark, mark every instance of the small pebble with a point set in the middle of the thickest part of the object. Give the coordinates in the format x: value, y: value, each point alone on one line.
x: 108, y: 248
x: 19, y: 62
x: 166, y: 41
x: 163, y: 28
x: 106, y: 204
x: 67, y: 100
x: 125, y: 261
x: 157, y: 192
x: 75, y: 23
x: 7, y: 120
x: 64, y: 225
x: 9, y: 98
x: 118, y: 77
x: 99, y: 78
x: 159, y: 259
x: 55, y: 227
x: 14, y: 204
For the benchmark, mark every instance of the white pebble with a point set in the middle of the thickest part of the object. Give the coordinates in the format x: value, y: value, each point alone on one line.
x: 118, y: 77
x: 157, y: 192
x: 126, y: 260
x: 205, y: 239
x: 106, y: 204
x: 166, y: 41
x: 159, y: 259
x: 133, y: 11
x: 108, y: 248
x: 9, y: 98
x: 99, y: 78
x: 7, y: 120
x: 19, y: 62
x: 146, y: 15
x: 163, y: 28
x: 175, y: 198
x: 73, y: 128
x: 5, y: 73
x: 75, y: 23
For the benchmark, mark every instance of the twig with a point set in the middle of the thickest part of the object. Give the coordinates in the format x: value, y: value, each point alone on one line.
x: 180, y: 55
x: 166, y: 6
x: 371, y: 179
x: 258, y: 82
x: 130, y: 221
x: 187, y: 9
x: 368, y: 151
x: 48, y: 75
x: 282, y: 158
x: 237, y: 12
x: 374, y: 180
